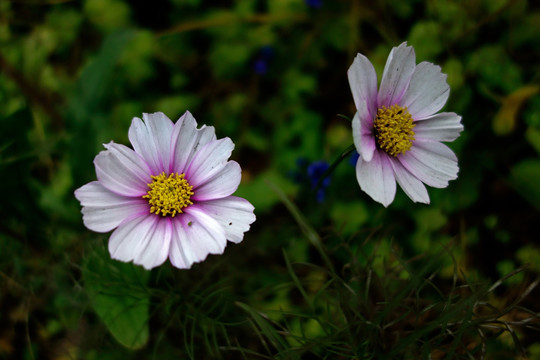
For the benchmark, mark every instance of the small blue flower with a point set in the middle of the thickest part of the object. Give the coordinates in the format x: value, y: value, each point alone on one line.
x: 267, y: 52
x: 320, y: 195
x: 260, y: 65
x: 314, y: 3
x: 315, y: 171
x: 354, y: 158
x: 310, y: 174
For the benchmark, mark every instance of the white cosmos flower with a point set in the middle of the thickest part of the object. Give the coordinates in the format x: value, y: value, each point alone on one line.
x: 169, y: 197
x: 396, y: 129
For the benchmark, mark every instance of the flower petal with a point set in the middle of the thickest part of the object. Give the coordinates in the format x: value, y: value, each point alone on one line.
x: 122, y: 171
x: 131, y: 238
x: 156, y: 250
x: 151, y: 139
x: 413, y: 187
x: 186, y: 140
x: 363, y: 83
x: 104, y: 210
x: 376, y: 178
x: 427, y: 92
x: 234, y: 214
x: 210, y: 159
x: 221, y: 184
x: 433, y: 163
x: 195, y: 235
x: 364, y: 140
x: 439, y: 127
x: 396, y: 76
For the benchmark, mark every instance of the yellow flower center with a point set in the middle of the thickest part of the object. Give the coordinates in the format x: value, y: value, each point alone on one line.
x: 394, y: 129
x: 168, y: 195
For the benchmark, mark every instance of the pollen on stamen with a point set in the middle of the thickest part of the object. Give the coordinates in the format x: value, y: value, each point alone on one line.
x: 168, y: 195
x: 394, y: 129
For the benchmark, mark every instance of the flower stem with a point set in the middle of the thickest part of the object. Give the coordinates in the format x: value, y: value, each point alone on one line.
x: 336, y: 162
x: 302, y: 222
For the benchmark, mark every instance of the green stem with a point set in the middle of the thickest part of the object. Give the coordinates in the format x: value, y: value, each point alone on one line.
x: 306, y: 228
x: 336, y: 162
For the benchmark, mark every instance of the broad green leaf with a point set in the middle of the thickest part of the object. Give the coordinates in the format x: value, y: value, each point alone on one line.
x: 119, y: 296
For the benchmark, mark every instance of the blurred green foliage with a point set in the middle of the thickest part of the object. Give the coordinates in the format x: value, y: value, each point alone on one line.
x: 118, y: 293
x: 348, y: 279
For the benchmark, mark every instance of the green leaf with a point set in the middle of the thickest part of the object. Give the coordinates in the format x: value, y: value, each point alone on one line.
x: 119, y: 296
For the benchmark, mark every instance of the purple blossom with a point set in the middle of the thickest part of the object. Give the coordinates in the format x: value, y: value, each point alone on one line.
x: 169, y: 197
x: 397, y: 130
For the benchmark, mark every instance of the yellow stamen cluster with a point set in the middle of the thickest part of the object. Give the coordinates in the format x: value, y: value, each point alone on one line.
x: 168, y: 195
x: 394, y: 129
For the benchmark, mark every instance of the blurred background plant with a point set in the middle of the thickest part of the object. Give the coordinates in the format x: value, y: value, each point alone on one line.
x: 325, y: 273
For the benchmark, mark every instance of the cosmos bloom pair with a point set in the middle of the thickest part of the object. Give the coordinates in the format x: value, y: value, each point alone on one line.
x: 171, y: 196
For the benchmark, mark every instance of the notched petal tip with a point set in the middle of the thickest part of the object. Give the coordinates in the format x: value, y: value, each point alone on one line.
x: 195, y: 236
x: 188, y: 114
x: 397, y: 73
x: 155, y: 116
x: 187, y: 139
x: 108, y: 145
x: 208, y: 160
x: 221, y: 184
x: 444, y: 127
x: 188, y: 118
x: 428, y: 91
x: 233, y: 213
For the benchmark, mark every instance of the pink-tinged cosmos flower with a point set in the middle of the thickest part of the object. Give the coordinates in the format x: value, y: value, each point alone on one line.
x: 169, y: 197
x: 396, y: 129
